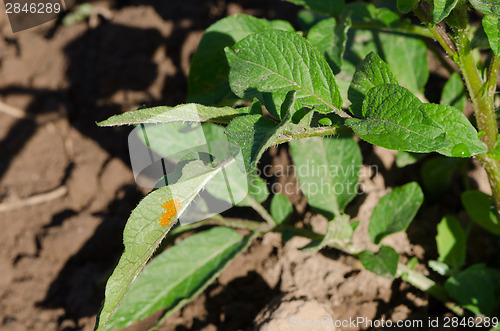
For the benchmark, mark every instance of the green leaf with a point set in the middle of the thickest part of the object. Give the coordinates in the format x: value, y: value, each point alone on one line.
x: 281, y: 208
x: 208, y: 81
x: 487, y: 6
x: 395, y: 211
x: 268, y: 65
x: 407, y: 60
x: 371, y: 72
x: 404, y: 159
x: 179, y: 274
x: 395, y: 119
x: 474, y: 289
x: 481, y: 209
x: 491, y: 25
x: 451, y: 242
x: 461, y: 136
x: 327, y: 170
x: 331, y: 7
x: 255, y: 133
x: 384, y: 263
x: 406, y: 6
x: 442, y: 9
x: 143, y: 232
x: 338, y: 234
x: 437, y: 174
x: 330, y: 38
x: 190, y: 112
x: 454, y: 93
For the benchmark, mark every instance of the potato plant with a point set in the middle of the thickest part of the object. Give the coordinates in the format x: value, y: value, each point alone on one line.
x: 356, y: 69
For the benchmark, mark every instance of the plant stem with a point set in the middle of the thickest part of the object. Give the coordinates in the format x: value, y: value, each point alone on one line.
x: 411, y: 29
x: 262, y: 212
x: 311, y: 132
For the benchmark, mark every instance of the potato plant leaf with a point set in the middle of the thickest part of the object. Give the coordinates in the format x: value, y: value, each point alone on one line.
x: 179, y: 274
x: 281, y: 208
x: 395, y: 211
x: 395, y: 119
x: 474, y: 288
x: 491, y: 25
x: 461, y: 137
x: 208, y: 81
x: 338, y: 234
x: 255, y: 133
x: 330, y: 7
x: 329, y: 37
x: 451, y: 242
x: 384, y: 263
x: 190, y: 112
x: 442, y: 9
x: 454, y: 93
x: 481, y: 209
x: 327, y: 172
x: 269, y: 64
x: 371, y: 72
x: 487, y: 6
x: 143, y: 232
x: 437, y: 174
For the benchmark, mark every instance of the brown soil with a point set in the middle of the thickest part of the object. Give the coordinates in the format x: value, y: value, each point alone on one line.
x: 55, y: 256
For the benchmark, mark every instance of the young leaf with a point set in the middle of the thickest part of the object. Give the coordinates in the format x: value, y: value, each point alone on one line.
x: 179, y: 274
x: 406, y: 6
x: 327, y: 172
x: 190, y: 112
x: 339, y: 232
x: 371, y: 72
x: 487, y: 6
x: 330, y: 38
x: 451, y: 242
x: 255, y: 133
x: 454, y: 93
x: 395, y: 119
x: 442, y: 9
x: 281, y: 208
x: 395, y: 211
x: 143, y: 232
x: 330, y: 7
x: 491, y: 25
x: 481, y: 209
x: 384, y: 263
x: 208, y: 77
x: 474, y: 289
x: 277, y: 62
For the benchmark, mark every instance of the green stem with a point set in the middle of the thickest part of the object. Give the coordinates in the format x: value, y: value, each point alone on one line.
x: 262, y: 212
x: 321, y: 131
x: 411, y: 29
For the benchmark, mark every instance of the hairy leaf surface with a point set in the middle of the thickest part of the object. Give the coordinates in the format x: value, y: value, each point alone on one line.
x: 208, y: 81
x: 272, y: 63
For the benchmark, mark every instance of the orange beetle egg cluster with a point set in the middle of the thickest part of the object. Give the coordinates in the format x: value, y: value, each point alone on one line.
x: 171, y: 207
